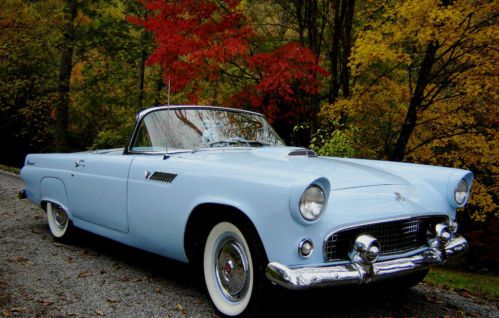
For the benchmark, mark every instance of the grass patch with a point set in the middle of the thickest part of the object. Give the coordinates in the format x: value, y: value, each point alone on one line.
x: 10, y: 169
x: 482, y: 285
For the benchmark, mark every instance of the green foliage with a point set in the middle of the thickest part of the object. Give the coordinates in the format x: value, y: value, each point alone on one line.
x: 481, y: 285
x: 106, y: 89
x: 114, y: 135
x: 10, y: 169
x: 27, y: 80
x: 337, y: 144
x: 107, y: 139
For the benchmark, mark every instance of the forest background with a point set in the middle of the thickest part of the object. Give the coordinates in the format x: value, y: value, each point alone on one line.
x: 400, y: 80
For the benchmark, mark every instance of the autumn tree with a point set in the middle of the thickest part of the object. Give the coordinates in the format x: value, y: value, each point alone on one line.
x: 425, y: 76
x: 65, y: 67
x: 325, y: 27
x: 28, y: 79
x: 207, y: 41
x: 103, y: 88
x: 110, y: 82
x: 283, y: 81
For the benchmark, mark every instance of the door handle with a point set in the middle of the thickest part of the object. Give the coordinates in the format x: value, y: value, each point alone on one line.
x: 80, y: 163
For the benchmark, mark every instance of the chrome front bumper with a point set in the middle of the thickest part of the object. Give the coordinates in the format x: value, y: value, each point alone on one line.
x: 357, y: 273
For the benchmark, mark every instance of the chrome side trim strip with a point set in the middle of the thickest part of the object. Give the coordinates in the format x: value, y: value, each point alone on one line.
x: 356, y: 273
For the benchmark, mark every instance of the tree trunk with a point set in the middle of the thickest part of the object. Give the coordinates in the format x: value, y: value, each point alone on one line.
x: 314, y: 39
x: 334, y: 52
x: 65, y: 68
x: 346, y: 47
x: 160, y: 85
x: 142, y: 69
x: 299, y: 19
x: 311, y: 36
x: 415, y: 103
x: 417, y: 99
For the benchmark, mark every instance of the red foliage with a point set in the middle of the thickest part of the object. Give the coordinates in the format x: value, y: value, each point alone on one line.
x: 196, y: 39
x: 288, y: 75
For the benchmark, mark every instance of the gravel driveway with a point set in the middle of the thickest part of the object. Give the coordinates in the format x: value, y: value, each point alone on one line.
x: 96, y: 277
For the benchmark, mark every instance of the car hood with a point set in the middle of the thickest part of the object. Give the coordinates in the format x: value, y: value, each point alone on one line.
x: 341, y: 173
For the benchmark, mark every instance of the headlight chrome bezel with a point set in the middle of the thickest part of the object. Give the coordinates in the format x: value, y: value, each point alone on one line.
x: 309, y: 202
x: 455, y: 183
x: 462, y: 192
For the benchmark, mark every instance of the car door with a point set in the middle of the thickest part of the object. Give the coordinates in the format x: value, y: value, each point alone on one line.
x: 155, y: 210
x: 97, y: 189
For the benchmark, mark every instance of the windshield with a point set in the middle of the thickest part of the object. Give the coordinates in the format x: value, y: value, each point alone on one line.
x: 197, y: 128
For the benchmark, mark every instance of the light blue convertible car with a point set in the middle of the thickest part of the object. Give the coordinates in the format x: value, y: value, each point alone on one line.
x: 218, y: 187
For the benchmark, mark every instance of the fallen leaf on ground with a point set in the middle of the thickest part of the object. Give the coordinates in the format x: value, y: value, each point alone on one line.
x: 82, y: 275
x: 19, y: 259
x: 46, y: 302
x: 99, y: 312
x: 18, y: 309
x: 433, y: 300
x: 198, y: 301
x: 181, y: 308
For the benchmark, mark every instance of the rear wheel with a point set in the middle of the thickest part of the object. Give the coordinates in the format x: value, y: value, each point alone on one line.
x: 60, y: 225
x: 233, y: 265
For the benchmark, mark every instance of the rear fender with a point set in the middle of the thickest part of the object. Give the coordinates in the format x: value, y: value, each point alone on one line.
x: 53, y: 190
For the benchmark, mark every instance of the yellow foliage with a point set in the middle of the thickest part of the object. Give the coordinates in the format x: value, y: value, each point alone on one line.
x: 458, y: 118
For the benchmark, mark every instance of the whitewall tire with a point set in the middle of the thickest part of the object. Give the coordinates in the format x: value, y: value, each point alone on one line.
x: 59, y: 223
x: 229, y: 269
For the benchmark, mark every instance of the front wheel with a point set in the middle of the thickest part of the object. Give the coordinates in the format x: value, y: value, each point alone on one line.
x: 233, y: 269
x: 60, y: 225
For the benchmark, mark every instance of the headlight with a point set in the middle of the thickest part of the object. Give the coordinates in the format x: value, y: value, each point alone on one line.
x: 461, y: 192
x: 312, y: 203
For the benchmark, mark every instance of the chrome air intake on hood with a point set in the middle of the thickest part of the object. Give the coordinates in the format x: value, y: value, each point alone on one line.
x: 302, y: 153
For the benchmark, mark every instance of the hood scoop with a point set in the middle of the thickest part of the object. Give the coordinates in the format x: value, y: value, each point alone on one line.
x: 302, y: 153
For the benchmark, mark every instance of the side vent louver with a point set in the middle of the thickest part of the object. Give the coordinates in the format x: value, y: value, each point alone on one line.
x: 163, y: 177
x: 302, y: 153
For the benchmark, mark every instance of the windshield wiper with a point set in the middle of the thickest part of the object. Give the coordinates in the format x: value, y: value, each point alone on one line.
x: 232, y: 141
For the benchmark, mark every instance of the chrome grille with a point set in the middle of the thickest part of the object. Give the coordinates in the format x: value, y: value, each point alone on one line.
x: 394, y: 237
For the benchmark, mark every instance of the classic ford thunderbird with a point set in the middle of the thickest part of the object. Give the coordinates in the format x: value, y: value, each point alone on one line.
x: 219, y: 188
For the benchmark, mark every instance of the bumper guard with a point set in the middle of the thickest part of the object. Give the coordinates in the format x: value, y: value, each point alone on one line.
x: 357, y: 273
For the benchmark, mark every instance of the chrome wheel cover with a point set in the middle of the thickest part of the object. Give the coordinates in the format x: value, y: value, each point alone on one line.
x: 231, y: 267
x: 60, y: 217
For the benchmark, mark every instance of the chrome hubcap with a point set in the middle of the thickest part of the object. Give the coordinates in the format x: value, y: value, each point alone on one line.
x: 232, y: 270
x: 60, y: 216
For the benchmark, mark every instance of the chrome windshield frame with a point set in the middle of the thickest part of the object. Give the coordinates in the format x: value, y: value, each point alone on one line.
x: 140, y: 116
